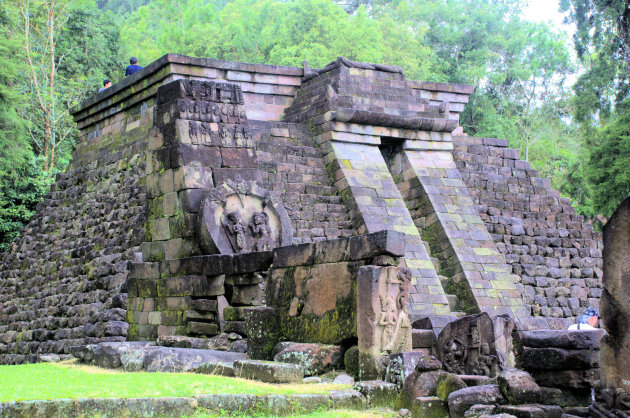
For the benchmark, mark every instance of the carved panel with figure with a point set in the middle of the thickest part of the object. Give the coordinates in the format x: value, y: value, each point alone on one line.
x: 239, y: 217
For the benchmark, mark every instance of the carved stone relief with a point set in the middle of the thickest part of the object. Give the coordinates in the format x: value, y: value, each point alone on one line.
x: 383, y: 325
x: 477, y: 344
x: 240, y: 216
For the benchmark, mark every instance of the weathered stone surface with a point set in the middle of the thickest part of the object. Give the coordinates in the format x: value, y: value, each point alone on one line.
x: 461, y: 400
x: 417, y: 384
x: 477, y: 344
x: 217, y: 368
x: 261, y: 326
x: 166, y: 359
x: 531, y: 411
x: 552, y: 358
x: 136, y: 407
x: 351, y: 361
x: 344, y: 379
x: 573, y: 340
x: 403, y: 364
x: 518, y: 386
x: 423, y: 338
x: 429, y: 407
x: 126, y: 355
x: 448, y: 383
x: 347, y: 399
x: 314, y: 358
x: 427, y: 363
x: 566, y: 379
x: 269, y: 371
x: 377, y: 392
x: 615, y: 303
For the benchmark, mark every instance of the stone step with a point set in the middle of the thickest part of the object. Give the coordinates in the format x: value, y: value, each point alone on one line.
x: 452, y: 301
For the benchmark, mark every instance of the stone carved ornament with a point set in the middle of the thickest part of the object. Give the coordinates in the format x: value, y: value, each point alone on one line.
x: 476, y: 344
x: 211, y: 91
x: 240, y: 216
x: 393, y: 319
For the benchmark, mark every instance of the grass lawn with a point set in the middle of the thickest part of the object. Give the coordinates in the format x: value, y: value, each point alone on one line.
x: 70, y: 380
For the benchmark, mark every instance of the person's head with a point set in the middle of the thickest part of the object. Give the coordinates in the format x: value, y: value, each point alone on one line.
x: 590, y: 316
x: 133, y: 60
x: 107, y: 83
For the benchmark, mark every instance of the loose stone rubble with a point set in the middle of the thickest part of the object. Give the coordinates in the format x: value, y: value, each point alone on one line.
x: 275, y: 222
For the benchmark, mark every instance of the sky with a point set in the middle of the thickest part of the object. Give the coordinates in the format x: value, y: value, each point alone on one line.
x: 545, y: 11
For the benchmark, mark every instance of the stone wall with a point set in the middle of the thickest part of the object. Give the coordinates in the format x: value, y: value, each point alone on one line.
x: 63, y: 282
x: 557, y: 255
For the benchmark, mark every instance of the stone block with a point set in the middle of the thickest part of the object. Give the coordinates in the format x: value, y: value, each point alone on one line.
x: 385, y: 242
x: 316, y: 359
x: 558, y: 359
x: 377, y: 392
x: 215, y: 368
x: 575, y: 340
x: 263, y: 332
x: 202, y: 328
x: 518, y: 386
x: 269, y: 371
x: 423, y: 338
x: 461, y: 400
x: 176, y: 360
x: 429, y: 406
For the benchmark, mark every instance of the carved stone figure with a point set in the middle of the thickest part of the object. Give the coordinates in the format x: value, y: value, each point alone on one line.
x: 237, y: 232
x: 226, y: 136
x: 238, y: 137
x: 261, y: 231
x: 382, y: 320
x: 193, y: 129
x: 454, y: 355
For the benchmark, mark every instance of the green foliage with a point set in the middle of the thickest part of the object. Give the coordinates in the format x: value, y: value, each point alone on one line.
x: 21, y: 189
x: 608, y: 165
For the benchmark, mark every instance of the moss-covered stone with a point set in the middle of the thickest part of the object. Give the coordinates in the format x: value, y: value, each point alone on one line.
x: 447, y: 383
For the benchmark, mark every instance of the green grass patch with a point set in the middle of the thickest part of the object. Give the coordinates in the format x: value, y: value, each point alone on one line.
x: 73, y: 381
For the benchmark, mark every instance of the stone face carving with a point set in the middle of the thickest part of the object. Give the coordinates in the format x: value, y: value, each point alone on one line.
x: 383, y: 325
x: 239, y: 216
x: 477, y: 344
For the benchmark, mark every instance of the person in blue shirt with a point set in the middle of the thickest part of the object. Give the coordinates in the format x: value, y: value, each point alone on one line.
x: 134, y: 67
x: 107, y: 83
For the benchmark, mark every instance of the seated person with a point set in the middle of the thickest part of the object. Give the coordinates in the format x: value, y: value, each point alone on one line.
x: 586, y: 321
x: 107, y: 83
x: 133, y: 68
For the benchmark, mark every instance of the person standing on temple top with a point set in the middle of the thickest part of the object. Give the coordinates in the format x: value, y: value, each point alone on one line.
x: 134, y: 67
x: 107, y: 83
x: 586, y: 321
